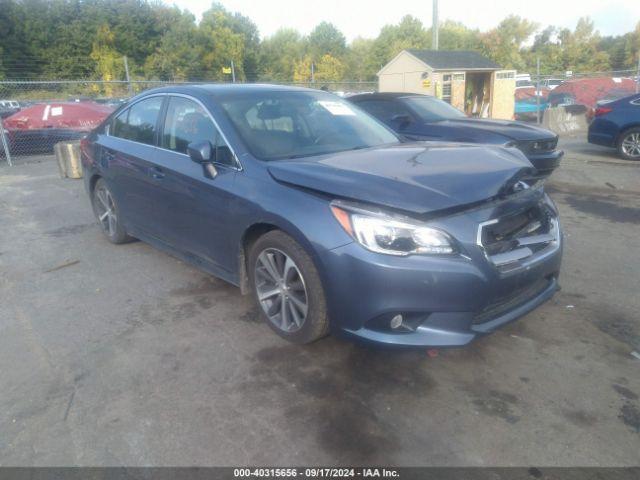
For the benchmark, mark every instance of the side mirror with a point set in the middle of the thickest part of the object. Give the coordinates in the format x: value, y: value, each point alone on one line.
x: 201, y: 152
x: 401, y: 120
x: 204, y: 154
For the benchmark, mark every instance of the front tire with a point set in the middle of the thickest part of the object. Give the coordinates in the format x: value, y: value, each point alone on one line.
x: 629, y: 144
x: 287, y: 288
x: 108, y: 214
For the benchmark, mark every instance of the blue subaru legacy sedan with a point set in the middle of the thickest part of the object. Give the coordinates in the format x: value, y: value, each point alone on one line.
x: 323, y: 215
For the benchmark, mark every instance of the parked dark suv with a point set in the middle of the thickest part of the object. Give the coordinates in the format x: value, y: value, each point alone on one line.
x: 321, y: 213
x: 423, y: 117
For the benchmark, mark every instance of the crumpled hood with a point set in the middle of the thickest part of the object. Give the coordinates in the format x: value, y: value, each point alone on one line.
x: 512, y: 130
x: 421, y: 177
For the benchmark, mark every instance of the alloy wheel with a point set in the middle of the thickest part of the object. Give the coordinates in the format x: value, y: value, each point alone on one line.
x: 106, y: 211
x: 281, y: 290
x: 631, y: 145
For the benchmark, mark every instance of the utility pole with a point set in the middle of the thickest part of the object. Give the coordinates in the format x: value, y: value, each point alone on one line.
x: 313, y: 79
x: 434, y: 26
x: 233, y: 72
x: 638, y: 75
x: 5, y: 144
x: 538, y: 90
x: 126, y: 73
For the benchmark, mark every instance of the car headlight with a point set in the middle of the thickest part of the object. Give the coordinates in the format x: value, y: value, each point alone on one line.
x: 383, y: 233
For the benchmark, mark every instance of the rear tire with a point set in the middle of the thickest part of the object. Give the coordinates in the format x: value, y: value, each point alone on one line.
x: 629, y: 144
x: 287, y: 288
x: 108, y: 214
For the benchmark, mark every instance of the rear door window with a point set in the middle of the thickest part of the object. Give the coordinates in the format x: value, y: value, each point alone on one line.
x: 138, y: 122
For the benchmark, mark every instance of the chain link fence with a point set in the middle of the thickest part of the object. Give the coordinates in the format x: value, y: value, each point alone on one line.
x: 37, y: 114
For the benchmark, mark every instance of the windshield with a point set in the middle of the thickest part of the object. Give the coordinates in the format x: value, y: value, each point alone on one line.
x: 432, y: 109
x: 289, y: 124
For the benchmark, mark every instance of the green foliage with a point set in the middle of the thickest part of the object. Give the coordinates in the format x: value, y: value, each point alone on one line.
x: 84, y: 39
x: 326, y: 69
x: 178, y: 55
x: 109, y: 62
x: 503, y: 44
x: 326, y: 39
x: 279, y: 54
x: 359, y: 60
x: 580, y: 50
x: 409, y: 33
x: 455, y: 36
x: 228, y: 37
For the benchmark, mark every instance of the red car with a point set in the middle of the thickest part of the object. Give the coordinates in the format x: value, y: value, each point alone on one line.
x: 37, y: 128
x: 590, y: 91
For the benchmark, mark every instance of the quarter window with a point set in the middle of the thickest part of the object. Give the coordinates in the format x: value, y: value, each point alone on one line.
x: 138, y: 122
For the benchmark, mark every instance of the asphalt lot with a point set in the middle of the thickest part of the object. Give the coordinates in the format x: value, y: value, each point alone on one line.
x: 122, y: 355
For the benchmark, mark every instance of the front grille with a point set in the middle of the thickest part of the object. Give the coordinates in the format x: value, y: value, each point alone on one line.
x: 514, y: 300
x: 538, y: 146
x: 511, y: 241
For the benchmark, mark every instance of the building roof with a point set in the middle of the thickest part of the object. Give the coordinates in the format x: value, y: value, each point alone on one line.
x: 454, y: 59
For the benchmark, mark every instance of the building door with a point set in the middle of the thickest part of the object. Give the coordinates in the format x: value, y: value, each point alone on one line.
x: 503, y: 86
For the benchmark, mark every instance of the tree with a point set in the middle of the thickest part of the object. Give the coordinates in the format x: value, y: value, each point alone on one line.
x: 580, y: 49
x: 326, y: 39
x: 632, y: 48
x: 409, y: 33
x: 455, y: 36
x: 81, y: 39
x: 178, y: 57
x: 615, y: 47
x: 503, y: 44
x: 221, y: 44
x: 108, y: 61
x: 546, y: 48
x: 359, y: 59
x: 234, y: 37
x: 326, y: 69
x: 279, y: 54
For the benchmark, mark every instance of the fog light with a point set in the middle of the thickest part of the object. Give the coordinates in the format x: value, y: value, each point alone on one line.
x: 396, y: 322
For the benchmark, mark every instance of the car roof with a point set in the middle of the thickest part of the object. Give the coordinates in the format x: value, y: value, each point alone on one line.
x: 385, y: 95
x: 222, y: 89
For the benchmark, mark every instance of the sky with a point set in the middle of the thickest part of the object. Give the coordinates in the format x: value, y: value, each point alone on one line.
x: 364, y: 18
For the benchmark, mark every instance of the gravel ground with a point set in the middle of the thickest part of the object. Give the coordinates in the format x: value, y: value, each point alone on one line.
x: 122, y: 355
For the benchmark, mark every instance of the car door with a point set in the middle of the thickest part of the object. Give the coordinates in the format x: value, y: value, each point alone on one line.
x: 193, y: 207
x: 128, y: 154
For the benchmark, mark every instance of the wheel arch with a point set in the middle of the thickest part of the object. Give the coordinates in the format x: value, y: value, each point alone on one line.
x: 256, y: 230
x: 625, y: 129
x: 92, y: 182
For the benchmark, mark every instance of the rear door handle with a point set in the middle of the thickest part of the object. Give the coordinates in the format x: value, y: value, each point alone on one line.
x: 156, y: 172
x: 109, y: 155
